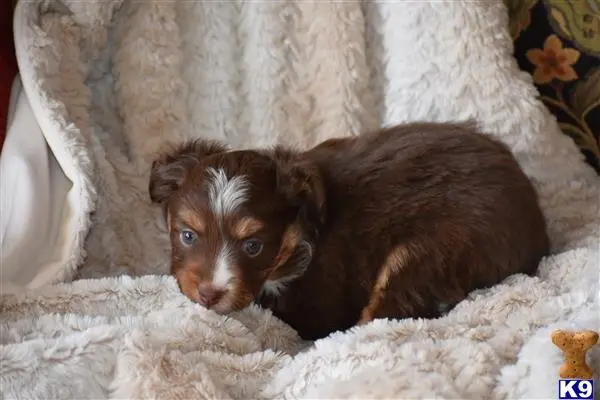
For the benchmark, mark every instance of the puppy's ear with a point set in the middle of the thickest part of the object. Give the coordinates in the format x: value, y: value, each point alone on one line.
x: 300, y: 181
x: 171, y: 169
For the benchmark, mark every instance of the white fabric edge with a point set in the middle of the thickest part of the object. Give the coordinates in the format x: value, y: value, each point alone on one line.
x: 32, y: 191
x: 76, y: 222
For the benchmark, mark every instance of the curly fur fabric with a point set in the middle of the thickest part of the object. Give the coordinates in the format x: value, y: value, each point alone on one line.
x: 113, y: 82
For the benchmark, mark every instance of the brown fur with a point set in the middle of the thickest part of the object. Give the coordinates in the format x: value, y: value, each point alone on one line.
x: 391, y: 223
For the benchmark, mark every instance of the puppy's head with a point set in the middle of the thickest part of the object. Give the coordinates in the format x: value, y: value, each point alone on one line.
x: 238, y: 220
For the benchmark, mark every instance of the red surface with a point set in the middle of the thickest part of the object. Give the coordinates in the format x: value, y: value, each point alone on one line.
x: 8, y: 63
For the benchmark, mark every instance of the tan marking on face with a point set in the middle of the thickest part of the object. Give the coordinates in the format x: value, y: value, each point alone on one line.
x: 246, y: 227
x: 242, y: 298
x: 193, y: 220
x: 395, y: 261
x: 188, y: 283
x: 289, y: 242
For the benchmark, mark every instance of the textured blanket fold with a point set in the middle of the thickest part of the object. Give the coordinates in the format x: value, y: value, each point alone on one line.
x: 113, y: 82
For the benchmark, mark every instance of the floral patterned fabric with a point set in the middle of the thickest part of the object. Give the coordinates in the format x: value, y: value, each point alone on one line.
x: 558, y: 42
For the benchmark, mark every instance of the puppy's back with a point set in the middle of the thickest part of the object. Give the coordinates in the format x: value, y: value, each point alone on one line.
x: 424, y: 177
x: 455, y: 202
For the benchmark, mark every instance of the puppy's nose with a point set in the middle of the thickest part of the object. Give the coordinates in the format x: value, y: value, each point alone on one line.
x: 210, y: 295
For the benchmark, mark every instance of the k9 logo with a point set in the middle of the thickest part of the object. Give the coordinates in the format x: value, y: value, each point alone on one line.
x: 575, y: 389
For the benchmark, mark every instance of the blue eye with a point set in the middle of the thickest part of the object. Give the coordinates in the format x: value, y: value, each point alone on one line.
x: 252, y: 247
x: 187, y: 237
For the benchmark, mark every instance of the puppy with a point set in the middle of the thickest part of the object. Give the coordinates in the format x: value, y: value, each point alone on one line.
x: 396, y: 223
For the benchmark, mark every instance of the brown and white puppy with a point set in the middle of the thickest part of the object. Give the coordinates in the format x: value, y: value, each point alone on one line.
x: 394, y: 223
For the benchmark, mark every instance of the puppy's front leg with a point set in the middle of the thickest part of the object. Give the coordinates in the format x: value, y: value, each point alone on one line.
x: 396, y: 261
x: 402, y: 288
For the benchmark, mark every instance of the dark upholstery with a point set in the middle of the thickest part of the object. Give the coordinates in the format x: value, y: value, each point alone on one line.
x: 558, y: 42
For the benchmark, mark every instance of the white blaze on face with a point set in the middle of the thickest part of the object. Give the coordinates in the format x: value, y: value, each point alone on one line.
x: 222, y: 275
x: 225, y: 196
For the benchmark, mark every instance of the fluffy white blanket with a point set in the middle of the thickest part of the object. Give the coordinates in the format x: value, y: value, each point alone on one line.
x: 112, y: 82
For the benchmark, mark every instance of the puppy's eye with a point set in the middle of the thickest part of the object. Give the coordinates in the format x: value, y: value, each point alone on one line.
x: 252, y: 247
x: 187, y: 237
